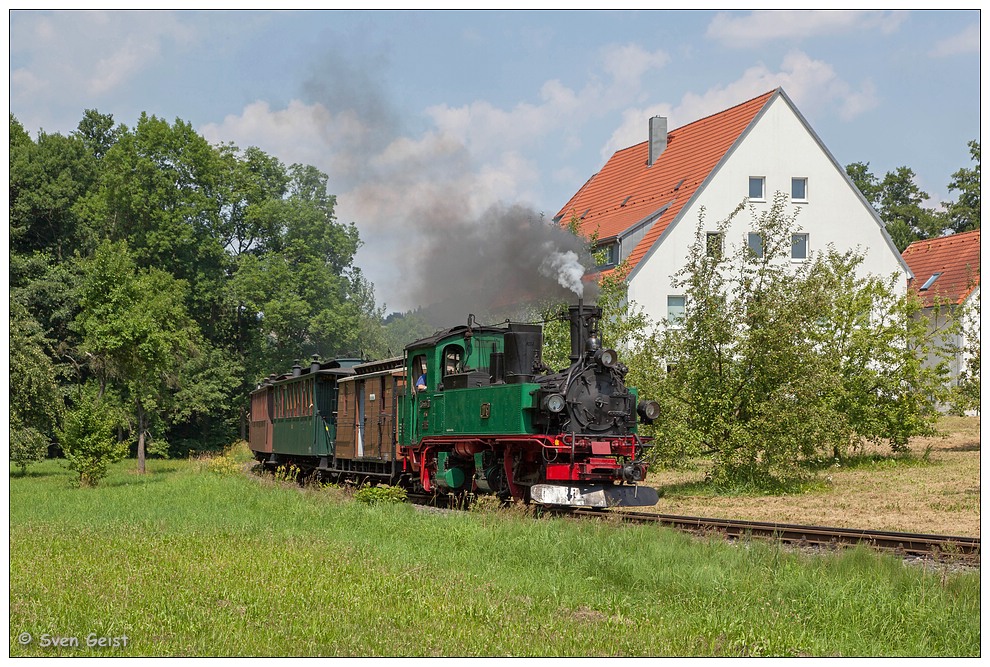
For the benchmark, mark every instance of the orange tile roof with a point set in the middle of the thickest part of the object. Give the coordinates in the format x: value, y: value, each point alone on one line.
x: 626, y: 191
x: 956, y: 257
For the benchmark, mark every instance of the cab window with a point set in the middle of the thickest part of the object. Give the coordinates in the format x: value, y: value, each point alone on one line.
x: 452, y: 355
x: 420, y: 378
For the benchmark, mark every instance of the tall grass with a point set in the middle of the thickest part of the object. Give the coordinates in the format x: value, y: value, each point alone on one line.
x: 186, y: 562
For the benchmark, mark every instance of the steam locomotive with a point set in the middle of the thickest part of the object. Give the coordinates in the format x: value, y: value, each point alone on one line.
x: 471, y: 409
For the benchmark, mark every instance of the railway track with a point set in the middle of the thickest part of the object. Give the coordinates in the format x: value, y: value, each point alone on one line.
x: 942, y: 547
x: 951, y: 548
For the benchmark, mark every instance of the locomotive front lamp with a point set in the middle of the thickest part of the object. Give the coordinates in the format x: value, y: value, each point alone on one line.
x: 554, y: 403
x: 607, y: 358
x: 648, y: 411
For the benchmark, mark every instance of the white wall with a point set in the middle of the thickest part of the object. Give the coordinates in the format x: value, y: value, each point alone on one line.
x: 777, y: 147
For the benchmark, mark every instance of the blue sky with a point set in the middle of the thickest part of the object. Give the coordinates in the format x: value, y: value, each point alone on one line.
x: 408, y: 110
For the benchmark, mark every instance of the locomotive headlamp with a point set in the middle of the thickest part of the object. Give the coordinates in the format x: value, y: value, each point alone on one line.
x: 648, y: 411
x: 554, y: 403
x: 607, y: 358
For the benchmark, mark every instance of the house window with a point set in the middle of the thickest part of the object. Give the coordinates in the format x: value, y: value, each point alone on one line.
x: 758, y: 188
x: 799, y: 246
x: 930, y: 282
x: 675, y: 309
x: 714, y: 244
x: 608, y: 255
x: 755, y: 243
x: 799, y: 189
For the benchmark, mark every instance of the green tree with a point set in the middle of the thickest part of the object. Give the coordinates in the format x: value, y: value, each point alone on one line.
x: 866, y: 182
x: 964, y: 213
x: 88, y: 439
x: 98, y: 132
x: 898, y: 201
x: 48, y: 178
x: 136, y: 332
x: 161, y: 190
x: 966, y: 393
x: 35, y: 399
x: 744, y: 379
x: 891, y: 367
x: 774, y: 364
x: 300, y: 294
x: 901, y: 208
x: 400, y: 329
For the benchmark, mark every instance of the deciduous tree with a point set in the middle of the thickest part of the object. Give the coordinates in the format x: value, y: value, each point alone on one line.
x: 88, y: 439
x: 35, y: 399
x: 774, y: 364
x: 964, y: 213
x: 136, y: 332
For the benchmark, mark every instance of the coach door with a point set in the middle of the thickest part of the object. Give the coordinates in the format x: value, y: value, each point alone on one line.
x: 372, y: 417
x: 346, y: 419
x: 386, y: 417
x: 360, y: 426
x: 261, y: 421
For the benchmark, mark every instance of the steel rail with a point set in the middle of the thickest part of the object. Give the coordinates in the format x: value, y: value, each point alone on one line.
x: 913, y: 544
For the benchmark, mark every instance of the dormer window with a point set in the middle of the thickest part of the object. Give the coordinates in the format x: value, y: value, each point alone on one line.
x: 607, y: 254
x: 930, y: 282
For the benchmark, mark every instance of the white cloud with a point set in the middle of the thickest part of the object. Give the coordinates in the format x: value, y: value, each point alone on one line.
x: 966, y: 41
x: 812, y: 84
x: 287, y: 133
x: 760, y: 27
x: 629, y: 62
x: 87, y: 53
x: 486, y: 129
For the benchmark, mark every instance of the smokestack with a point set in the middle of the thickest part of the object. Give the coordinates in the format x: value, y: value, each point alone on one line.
x: 582, y: 320
x: 658, y: 138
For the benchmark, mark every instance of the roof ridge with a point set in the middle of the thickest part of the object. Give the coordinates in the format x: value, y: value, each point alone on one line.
x: 724, y: 111
x: 698, y: 120
x: 940, y: 240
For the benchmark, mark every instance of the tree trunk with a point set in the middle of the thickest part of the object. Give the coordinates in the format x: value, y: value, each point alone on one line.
x: 141, y: 430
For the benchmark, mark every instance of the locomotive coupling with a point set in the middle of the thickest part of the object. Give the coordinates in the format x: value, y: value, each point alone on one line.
x: 634, y: 472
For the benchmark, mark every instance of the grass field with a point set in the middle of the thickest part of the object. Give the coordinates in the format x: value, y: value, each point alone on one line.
x: 936, y: 490
x: 186, y: 562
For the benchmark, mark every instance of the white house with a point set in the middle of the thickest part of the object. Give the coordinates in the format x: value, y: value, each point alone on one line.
x: 645, y: 202
x: 947, y: 280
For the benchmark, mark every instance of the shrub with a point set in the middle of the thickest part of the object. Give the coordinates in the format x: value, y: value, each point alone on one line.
x: 373, y: 495
x: 88, y: 438
x: 487, y: 504
x: 223, y: 465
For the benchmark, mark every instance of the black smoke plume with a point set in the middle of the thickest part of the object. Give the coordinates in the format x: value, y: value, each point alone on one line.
x: 498, y: 264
